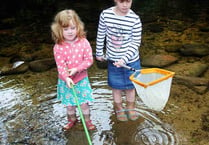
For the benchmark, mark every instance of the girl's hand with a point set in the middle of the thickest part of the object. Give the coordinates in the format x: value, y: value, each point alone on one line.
x: 72, y: 71
x: 69, y: 82
x: 100, y: 58
x: 119, y: 63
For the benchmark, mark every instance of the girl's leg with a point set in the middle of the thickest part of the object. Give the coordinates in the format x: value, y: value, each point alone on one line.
x: 71, y: 115
x: 130, y: 105
x: 117, y: 96
x: 86, y: 113
x: 130, y: 98
x: 120, y: 112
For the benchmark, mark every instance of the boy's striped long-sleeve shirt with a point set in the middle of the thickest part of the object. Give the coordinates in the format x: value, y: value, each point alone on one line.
x: 121, y: 35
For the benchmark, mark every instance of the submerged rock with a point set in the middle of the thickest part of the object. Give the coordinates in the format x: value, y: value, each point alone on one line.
x: 195, y: 69
x: 194, y: 50
x: 158, y: 60
x: 15, y: 68
x: 42, y: 65
x: 199, y: 85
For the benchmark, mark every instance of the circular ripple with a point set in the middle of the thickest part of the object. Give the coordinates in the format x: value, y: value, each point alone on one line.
x: 152, y: 134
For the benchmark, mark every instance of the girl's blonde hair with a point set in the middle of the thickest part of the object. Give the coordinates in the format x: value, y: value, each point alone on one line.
x: 64, y: 19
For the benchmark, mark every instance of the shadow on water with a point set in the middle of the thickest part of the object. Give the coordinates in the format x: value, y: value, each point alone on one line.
x: 25, y: 120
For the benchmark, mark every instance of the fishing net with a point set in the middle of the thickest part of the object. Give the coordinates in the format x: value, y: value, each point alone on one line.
x: 153, y: 86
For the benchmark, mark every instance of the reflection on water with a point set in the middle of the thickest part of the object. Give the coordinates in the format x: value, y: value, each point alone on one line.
x: 8, y: 102
x: 102, y: 107
x: 26, y: 118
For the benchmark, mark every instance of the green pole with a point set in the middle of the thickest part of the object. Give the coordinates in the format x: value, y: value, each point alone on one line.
x: 81, y: 115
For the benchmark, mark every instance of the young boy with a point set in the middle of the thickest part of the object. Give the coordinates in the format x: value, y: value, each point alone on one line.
x: 120, y: 31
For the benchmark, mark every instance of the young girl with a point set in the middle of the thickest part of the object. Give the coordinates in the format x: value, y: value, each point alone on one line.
x: 73, y: 56
x: 121, y: 29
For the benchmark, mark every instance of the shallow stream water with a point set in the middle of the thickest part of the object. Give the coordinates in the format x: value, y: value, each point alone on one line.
x: 30, y: 114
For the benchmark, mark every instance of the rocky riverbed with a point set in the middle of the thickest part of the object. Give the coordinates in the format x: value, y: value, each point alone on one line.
x: 173, y: 45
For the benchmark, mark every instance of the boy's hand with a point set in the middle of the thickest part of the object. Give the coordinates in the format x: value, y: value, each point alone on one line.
x: 69, y: 82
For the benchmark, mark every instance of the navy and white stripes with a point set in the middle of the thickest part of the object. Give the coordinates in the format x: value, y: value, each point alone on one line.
x: 122, y: 35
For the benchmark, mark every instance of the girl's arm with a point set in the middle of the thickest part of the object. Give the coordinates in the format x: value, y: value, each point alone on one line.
x: 87, y: 57
x: 60, y: 62
x: 101, y: 32
x: 136, y: 41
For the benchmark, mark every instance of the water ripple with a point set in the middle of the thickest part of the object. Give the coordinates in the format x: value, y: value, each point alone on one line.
x: 150, y: 134
x: 153, y: 131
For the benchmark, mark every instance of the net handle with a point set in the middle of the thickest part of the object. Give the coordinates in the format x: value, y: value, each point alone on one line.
x: 128, y: 67
x: 122, y: 65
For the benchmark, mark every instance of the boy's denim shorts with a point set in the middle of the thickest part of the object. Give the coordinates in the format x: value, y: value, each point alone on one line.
x: 118, y: 77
